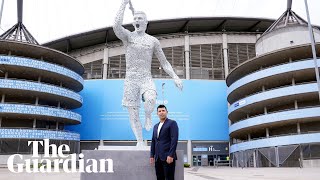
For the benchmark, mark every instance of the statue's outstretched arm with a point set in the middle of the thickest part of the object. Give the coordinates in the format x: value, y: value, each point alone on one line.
x: 165, y: 64
x: 118, y: 29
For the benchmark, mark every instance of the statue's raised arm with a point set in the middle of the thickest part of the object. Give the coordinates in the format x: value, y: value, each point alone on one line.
x: 118, y: 29
x: 166, y: 65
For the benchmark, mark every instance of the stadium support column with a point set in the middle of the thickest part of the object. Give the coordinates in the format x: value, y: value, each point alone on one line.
x: 189, y: 152
x: 257, y: 37
x: 298, y: 128
x: 226, y: 71
x: 34, y: 123
x: 254, y: 159
x: 101, y: 142
x: 105, y: 62
x: 313, y: 48
x: 187, y: 55
x: 301, y: 156
x: 225, y: 54
x: 267, y: 133
x: 277, y: 156
x: 3, y: 97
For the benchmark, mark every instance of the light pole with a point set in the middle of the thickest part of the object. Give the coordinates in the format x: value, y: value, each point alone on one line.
x: 313, y: 46
x: 1, y: 10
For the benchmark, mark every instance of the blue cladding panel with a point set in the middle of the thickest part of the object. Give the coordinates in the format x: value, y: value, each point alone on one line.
x: 39, y: 87
x: 200, y: 110
x: 272, y: 71
x: 37, y: 64
x: 39, y: 110
x: 38, y: 134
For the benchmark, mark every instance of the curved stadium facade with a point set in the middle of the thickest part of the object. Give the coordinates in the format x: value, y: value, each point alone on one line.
x: 274, y: 99
x: 38, y: 88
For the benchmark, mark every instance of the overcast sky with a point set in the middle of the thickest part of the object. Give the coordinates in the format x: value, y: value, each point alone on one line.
x: 48, y: 20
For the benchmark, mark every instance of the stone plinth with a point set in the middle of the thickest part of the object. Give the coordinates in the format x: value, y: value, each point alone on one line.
x: 129, y: 162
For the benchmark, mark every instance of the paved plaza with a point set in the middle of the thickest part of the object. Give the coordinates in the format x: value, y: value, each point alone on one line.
x: 202, y: 173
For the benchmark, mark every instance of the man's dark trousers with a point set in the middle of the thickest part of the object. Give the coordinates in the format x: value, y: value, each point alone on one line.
x: 165, y: 170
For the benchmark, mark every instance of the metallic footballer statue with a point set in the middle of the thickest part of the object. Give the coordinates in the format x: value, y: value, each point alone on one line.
x: 138, y: 82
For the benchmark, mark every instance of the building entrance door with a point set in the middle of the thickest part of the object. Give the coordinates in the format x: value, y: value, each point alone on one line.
x: 196, y: 160
x: 210, y: 160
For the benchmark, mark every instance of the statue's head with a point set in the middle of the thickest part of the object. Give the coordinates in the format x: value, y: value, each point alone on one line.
x: 140, y: 21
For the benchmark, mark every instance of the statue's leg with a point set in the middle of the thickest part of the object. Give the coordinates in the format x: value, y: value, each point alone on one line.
x: 149, y: 104
x: 136, y: 124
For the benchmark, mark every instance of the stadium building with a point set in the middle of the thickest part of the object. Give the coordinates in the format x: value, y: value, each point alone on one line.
x: 39, y: 87
x: 250, y: 91
x: 202, y: 52
x: 274, y: 99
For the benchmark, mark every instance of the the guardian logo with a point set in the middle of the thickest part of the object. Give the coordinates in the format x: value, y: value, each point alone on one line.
x: 52, y: 164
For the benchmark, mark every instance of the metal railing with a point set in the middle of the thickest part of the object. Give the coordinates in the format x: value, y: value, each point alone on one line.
x: 28, y: 80
x: 272, y: 66
x: 48, y: 62
x: 273, y: 112
x: 27, y: 128
x: 217, y: 163
x: 274, y: 136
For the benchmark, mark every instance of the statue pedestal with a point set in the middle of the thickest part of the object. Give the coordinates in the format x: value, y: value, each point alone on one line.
x: 129, y: 162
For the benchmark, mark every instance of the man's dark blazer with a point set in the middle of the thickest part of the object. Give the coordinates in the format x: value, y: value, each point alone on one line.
x: 166, y: 144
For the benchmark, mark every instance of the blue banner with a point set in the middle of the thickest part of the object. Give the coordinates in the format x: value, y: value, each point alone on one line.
x: 201, y: 110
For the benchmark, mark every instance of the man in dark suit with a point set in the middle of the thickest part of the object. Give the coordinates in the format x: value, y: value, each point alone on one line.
x: 164, y: 145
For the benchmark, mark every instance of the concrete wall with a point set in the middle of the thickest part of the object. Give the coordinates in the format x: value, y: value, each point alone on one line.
x: 285, y: 37
x: 276, y: 141
x: 311, y: 163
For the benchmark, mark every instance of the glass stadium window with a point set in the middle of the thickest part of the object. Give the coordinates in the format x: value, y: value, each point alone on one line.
x: 117, y: 67
x: 93, y: 70
x: 239, y: 53
x: 175, y: 56
x: 88, y: 145
x: 16, y: 123
x: 9, y: 146
x: 41, y: 124
x: 61, y: 126
x: 206, y: 62
x: 2, y: 73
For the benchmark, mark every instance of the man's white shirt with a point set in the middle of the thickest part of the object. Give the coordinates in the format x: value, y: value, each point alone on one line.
x: 159, y: 128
